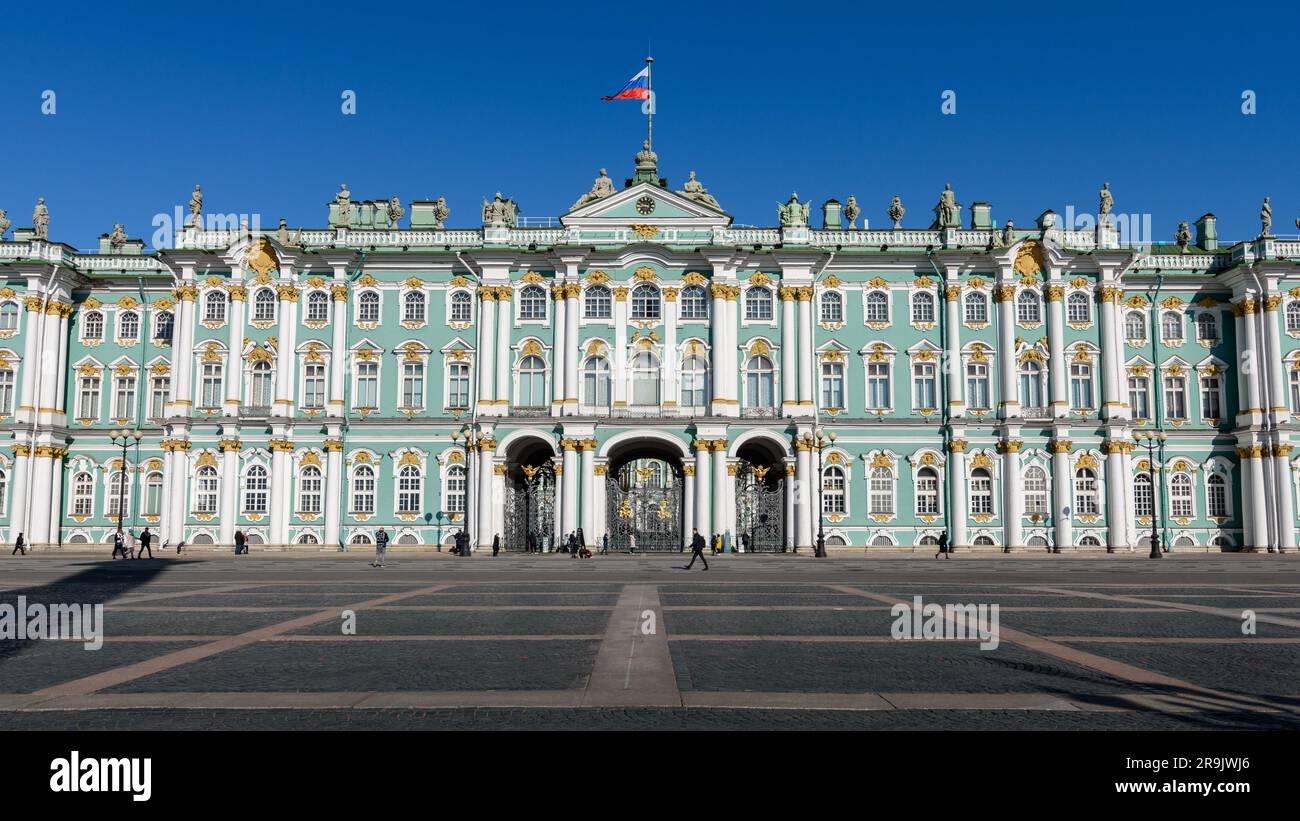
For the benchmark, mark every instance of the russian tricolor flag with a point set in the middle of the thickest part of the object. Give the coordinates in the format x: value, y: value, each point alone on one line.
x: 638, y: 88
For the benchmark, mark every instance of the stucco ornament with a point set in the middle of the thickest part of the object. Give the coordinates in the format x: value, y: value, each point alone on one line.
x: 41, y: 219
x: 896, y: 212
x: 500, y: 212
x: 196, y: 207
x: 792, y: 213
x: 947, y: 214
x: 852, y: 211
x: 441, y: 211
x: 343, y: 199
x: 601, y: 188
x: 693, y: 189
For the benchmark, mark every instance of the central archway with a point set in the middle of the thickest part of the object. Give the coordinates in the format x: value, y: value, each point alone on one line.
x: 529, y: 510
x: 644, y: 497
x: 760, y: 498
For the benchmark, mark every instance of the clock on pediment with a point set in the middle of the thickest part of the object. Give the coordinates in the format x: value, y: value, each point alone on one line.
x: 645, y: 206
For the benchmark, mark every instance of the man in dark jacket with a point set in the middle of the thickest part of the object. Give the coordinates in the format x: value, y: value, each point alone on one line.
x: 20, y: 546
x: 119, y: 545
x: 381, y: 547
x: 496, y: 544
x: 146, y: 539
x: 697, y: 550
x: 943, y: 545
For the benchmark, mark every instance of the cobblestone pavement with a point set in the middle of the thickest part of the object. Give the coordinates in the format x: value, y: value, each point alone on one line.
x: 1197, y: 641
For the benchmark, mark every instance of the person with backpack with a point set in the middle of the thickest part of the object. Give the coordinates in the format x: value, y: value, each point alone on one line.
x: 240, y: 541
x: 697, y: 550
x: 381, y: 547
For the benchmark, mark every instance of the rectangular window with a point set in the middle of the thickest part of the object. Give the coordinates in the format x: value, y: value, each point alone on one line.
x: 977, y: 386
x: 927, y: 494
x: 313, y: 386
x: 1138, y: 397
x: 458, y: 385
x: 124, y: 397
x: 412, y: 386
x: 367, y: 395
x: 923, y: 387
x: 88, y: 398
x: 1210, y: 393
x: 832, y: 385
x: 981, y: 495
x: 159, y: 387
x: 210, y: 387
x: 878, y: 386
x: 1175, y: 397
x: 6, y: 392
x: 1080, y: 386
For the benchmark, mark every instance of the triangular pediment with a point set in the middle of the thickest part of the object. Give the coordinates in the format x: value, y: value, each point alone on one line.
x: 646, y: 204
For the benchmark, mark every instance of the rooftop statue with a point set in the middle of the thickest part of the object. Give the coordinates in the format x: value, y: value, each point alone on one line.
x: 118, y: 238
x: 1009, y: 234
x: 4, y: 223
x: 601, y: 188
x: 196, y: 208
x: 41, y: 219
x: 693, y: 189
x: 500, y: 212
x: 646, y: 159
x: 395, y: 212
x: 852, y: 211
x: 896, y: 212
x: 1265, y: 218
x: 948, y: 212
x: 441, y: 211
x: 792, y: 213
x: 1183, y: 237
x: 1107, y: 201
x: 343, y: 199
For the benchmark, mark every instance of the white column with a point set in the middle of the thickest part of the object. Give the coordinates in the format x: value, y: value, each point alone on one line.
x: 571, y: 385
x: 1062, y: 484
x: 731, y: 355
x: 952, y: 352
x: 182, y: 401
x: 55, y: 498
x: 619, y: 373
x: 286, y: 358
x: 559, y: 353
x: 719, y: 339
x: 688, y: 504
x: 957, y: 493
x: 33, y: 333
x: 1285, y: 495
x: 569, y: 517
x: 334, y: 485
x: 229, y: 489
x: 177, y: 479
x: 1130, y: 513
x: 1277, y: 402
x: 234, y: 383
x: 485, y: 518
x: 40, y: 518
x: 50, y: 356
x: 807, y: 351
x: 338, y: 352
x: 789, y: 355
x: 1254, y: 400
x: 1013, y: 497
x: 599, y: 505
x: 1056, y: 368
x: 498, y: 509
x: 1009, y: 404
x: 1112, y: 396
x: 788, y: 532
x: 1116, y: 483
x: 670, y: 366
x: 505, y: 322
x: 719, y: 502
x: 487, y: 314
x: 1258, y: 499
x: 18, y: 496
x: 588, y: 486
x: 61, y: 380
x: 702, y: 476
x: 803, y: 482
x: 1247, y: 494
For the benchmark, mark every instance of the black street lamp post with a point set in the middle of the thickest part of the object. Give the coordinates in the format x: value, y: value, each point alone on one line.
x: 1151, y: 438
x: 822, y: 441
x: 128, y: 437
x: 467, y: 438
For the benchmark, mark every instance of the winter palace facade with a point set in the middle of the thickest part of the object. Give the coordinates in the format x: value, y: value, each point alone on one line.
x: 645, y: 367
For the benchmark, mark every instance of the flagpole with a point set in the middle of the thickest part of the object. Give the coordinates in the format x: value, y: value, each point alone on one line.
x: 650, y: 112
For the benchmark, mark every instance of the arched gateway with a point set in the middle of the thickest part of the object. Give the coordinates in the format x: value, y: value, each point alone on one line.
x: 530, y: 496
x: 760, y: 499
x: 644, y: 499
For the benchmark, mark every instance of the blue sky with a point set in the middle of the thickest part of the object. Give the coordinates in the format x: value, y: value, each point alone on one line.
x: 466, y: 99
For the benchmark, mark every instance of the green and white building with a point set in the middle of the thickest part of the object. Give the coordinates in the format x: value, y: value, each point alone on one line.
x: 642, y: 367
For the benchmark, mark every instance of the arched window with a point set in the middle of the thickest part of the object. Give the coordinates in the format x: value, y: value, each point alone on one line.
x: 927, y: 492
x: 264, y: 305
x: 1028, y: 309
x: 645, y: 379
x: 1135, y: 327
x: 881, y: 492
x: 1224, y: 544
x: 261, y: 395
x: 206, y: 486
x: 92, y: 328
x: 880, y: 541
x: 153, y: 485
x: 1144, y: 502
x: 1216, y: 497
x: 214, y: 305
x: 695, y: 382
x: 1207, y: 327
x: 597, y: 302
x: 308, y: 538
x: 455, y: 501
x: 984, y: 541
x: 164, y: 322
x: 410, y: 489
x: 1036, y: 541
x: 1035, y: 491
x: 928, y: 541
x: 363, y: 490
x: 1078, y: 308
x: 9, y: 316
x: 981, y: 492
x: 1031, y: 384
x: 309, y: 490
x: 462, y: 307
x: 532, y: 302
x: 1293, y: 315
x: 359, y: 538
x: 832, y: 306
x: 595, y: 382
x: 1085, y: 492
x: 758, y: 303
x: 833, y: 487
x: 876, y: 305
x: 760, y: 383
x: 318, y: 307
x: 1089, y: 541
x: 532, y: 382
x: 128, y: 326
x: 368, y: 306
x: 922, y: 307
x: 83, y: 494
x: 413, y: 305
x: 977, y: 307
x: 1171, y: 326
x: 694, y: 302
x: 255, y: 489
x: 1180, y: 496
x: 645, y: 302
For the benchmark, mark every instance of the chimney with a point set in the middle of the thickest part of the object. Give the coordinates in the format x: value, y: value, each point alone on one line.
x: 981, y: 216
x: 831, y: 215
x: 1207, y: 232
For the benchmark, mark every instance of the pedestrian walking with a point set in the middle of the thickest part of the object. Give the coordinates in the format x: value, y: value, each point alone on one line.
x: 119, y: 545
x: 179, y: 546
x: 573, y: 545
x: 20, y: 546
x: 943, y: 545
x: 146, y: 539
x: 241, y: 543
x: 604, y: 545
x: 381, y: 547
x: 130, y: 545
x: 462, y: 543
x: 532, y: 543
x: 697, y: 550
x: 717, y: 543
x: 496, y: 544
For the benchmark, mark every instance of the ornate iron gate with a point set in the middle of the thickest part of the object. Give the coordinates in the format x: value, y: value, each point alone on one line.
x: 644, y: 507
x: 530, y: 507
x: 760, y: 508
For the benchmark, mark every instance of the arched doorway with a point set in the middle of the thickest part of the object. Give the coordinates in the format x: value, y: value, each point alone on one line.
x: 644, y: 492
x: 760, y: 499
x: 530, y: 497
